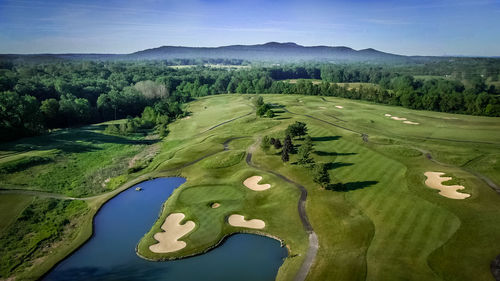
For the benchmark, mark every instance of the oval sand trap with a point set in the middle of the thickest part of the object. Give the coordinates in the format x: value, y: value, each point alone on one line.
x: 252, y: 183
x: 411, y: 123
x: 398, y: 118
x: 387, y: 115
x: 434, y: 180
x: 168, y: 240
x: 239, y: 221
x: 215, y: 205
x: 339, y: 106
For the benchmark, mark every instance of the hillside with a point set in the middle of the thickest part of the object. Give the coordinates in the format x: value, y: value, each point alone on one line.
x: 268, y: 52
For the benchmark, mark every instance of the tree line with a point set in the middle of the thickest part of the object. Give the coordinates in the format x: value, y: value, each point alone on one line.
x: 35, y: 97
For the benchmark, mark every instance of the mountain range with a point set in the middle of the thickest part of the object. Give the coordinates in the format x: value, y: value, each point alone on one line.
x: 268, y: 52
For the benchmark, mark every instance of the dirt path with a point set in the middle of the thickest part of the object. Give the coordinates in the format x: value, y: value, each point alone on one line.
x: 312, y: 249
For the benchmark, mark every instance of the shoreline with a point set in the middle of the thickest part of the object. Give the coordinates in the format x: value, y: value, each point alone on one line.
x: 98, y: 207
x: 217, y: 244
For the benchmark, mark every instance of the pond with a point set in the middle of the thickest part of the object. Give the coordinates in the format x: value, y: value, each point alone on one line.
x: 121, y: 223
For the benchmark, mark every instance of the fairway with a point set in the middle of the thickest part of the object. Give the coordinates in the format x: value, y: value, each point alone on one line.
x: 384, y: 223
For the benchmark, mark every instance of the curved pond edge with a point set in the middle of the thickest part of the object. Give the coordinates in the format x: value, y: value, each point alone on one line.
x: 119, y: 190
x: 215, y: 245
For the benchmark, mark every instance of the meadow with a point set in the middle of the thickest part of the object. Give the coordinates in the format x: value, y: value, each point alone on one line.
x: 385, y: 223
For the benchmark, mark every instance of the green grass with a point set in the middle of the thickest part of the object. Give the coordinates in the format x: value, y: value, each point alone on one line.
x: 35, y: 232
x: 386, y: 225
x: 74, y: 162
x: 11, y: 206
x: 224, y: 159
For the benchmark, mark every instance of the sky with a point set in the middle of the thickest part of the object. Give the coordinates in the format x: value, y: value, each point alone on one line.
x: 424, y: 27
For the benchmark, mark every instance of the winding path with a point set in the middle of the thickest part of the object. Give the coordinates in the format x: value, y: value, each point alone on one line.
x: 313, y: 246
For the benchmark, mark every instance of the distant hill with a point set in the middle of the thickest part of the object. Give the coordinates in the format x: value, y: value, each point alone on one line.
x: 271, y: 51
x: 268, y: 52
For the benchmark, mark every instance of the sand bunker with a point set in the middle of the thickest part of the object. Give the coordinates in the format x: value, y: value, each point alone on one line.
x: 239, y: 221
x: 406, y: 121
x: 322, y: 107
x: 187, y: 117
x: 252, y: 183
x: 434, y: 180
x: 215, y: 205
x: 398, y: 118
x: 339, y: 106
x: 168, y: 240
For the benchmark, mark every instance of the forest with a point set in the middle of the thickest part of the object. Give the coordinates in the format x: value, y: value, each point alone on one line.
x: 39, y: 96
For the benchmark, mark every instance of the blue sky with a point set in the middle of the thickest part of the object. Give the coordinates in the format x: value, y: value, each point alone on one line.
x: 439, y: 27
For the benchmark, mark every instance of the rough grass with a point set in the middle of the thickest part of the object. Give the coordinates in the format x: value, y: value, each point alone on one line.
x: 74, y: 162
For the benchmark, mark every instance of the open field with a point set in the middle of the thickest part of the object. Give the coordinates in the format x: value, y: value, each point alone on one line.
x: 385, y: 224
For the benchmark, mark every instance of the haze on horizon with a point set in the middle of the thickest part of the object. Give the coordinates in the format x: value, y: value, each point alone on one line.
x: 442, y: 27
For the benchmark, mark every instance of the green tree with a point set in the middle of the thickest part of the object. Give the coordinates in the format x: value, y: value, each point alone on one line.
x: 284, y: 155
x: 288, y: 145
x: 262, y: 110
x: 296, y: 129
x: 258, y: 101
x: 50, y: 111
x: 320, y: 175
x: 304, y: 153
x: 277, y: 144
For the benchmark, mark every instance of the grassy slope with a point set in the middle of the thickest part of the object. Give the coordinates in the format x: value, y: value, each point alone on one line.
x: 219, y: 178
x: 390, y: 226
x: 11, y: 206
x: 74, y: 162
x: 408, y: 227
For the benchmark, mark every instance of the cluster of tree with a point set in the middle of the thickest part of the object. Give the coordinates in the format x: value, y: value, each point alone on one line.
x: 263, y: 109
x: 149, y: 119
x: 37, y: 96
x: 318, y: 171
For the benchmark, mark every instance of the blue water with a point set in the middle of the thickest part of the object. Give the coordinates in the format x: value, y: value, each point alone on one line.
x: 120, y: 224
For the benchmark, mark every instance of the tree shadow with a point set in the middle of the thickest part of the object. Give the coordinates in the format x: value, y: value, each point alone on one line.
x: 70, y: 141
x: 278, y: 111
x: 277, y: 105
x: 325, y: 153
x: 335, y: 165
x: 328, y: 138
x: 343, y: 187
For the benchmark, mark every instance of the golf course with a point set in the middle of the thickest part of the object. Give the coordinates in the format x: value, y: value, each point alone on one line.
x: 405, y: 201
